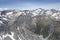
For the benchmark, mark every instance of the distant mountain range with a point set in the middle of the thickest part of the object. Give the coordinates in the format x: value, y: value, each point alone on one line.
x: 38, y: 24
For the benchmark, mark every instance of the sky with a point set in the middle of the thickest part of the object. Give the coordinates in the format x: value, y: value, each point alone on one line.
x: 30, y: 4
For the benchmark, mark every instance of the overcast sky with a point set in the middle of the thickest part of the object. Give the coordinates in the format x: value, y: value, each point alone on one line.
x: 30, y: 4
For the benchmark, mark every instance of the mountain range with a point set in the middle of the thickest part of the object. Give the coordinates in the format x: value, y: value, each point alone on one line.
x: 38, y: 24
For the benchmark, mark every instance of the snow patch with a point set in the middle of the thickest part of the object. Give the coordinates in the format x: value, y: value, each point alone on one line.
x: 11, y: 36
x: 1, y: 22
x: 10, y: 13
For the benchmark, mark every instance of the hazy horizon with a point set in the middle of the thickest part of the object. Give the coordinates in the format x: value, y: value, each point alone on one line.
x: 30, y: 4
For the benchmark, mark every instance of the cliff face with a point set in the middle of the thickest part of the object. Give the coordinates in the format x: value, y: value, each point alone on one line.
x: 38, y: 24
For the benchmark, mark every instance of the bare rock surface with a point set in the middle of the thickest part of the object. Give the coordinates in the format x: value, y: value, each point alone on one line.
x: 38, y: 24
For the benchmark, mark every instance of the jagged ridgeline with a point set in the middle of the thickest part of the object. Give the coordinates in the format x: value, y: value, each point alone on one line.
x: 38, y: 24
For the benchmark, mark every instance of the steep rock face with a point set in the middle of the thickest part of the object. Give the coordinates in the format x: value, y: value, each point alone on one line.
x: 38, y: 24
